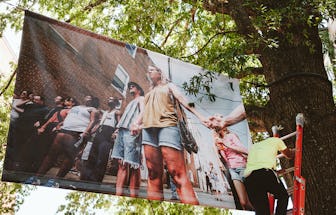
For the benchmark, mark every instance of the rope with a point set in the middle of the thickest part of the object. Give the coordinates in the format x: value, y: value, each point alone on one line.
x: 289, y: 76
x: 15, y: 6
x: 14, y: 73
x: 8, y: 83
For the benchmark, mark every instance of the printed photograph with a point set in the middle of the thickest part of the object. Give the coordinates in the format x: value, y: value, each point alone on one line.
x: 95, y: 114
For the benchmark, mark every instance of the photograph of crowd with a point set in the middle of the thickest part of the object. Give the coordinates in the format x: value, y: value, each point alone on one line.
x: 95, y: 114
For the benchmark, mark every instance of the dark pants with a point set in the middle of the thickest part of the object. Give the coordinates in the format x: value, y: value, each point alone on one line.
x: 261, y: 182
x: 94, y: 168
x: 34, y: 151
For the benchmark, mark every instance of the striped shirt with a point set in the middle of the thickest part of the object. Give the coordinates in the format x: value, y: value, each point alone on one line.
x: 132, y: 110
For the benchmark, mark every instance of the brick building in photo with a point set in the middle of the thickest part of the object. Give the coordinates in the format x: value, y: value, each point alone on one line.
x: 65, y: 60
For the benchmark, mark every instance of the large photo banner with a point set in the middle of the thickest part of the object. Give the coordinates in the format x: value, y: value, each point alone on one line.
x: 95, y: 114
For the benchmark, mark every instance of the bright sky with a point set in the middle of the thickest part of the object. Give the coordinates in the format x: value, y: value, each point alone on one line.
x: 43, y: 201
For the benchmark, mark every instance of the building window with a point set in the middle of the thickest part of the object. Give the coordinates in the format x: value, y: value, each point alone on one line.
x: 131, y: 49
x: 120, y: 80
x: 120, y: 104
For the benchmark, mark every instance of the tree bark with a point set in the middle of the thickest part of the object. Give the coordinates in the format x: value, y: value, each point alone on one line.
x: 299, y: 84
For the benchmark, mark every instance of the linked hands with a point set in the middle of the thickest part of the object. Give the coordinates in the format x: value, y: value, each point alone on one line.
x: 219, y: 122
x: 135, y: 129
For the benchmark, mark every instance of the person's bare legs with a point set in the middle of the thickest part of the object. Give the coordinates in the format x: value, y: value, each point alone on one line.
x: 174, y: 160
x: 134, y: 181
x: 155, y: 171
x: 242, y: 195
x: 121, y: 178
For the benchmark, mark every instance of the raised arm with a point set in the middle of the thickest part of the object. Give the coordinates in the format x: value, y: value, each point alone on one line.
x: 184, y: 102
x: 21, y: 103
x: 17, y: 106
x: 237, y: 115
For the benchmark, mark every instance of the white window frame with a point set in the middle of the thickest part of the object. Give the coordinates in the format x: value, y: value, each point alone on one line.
x: 123, y: 71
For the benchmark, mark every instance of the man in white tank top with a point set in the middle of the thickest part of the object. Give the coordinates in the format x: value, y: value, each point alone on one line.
x: 76, y: 126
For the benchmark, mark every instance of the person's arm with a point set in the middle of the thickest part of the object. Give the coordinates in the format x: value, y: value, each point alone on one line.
x: 64, y: 114
x: 19, y: 110
x: 136, y: 126
x: 288, y: 153
x: 94, y: 117
x: 237, y: 115
x: 218, y: 141
x: 184, y: 102
x: 118, y: 115
x: 21, y: 103
x: 222, y: 153
x: 18, y: 106
x: 44, y: 126
x: 238, y: 146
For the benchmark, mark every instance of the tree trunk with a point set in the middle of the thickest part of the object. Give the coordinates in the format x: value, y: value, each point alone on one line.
x: 299, y: 84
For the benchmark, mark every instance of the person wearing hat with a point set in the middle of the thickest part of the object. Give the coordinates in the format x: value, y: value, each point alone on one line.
x: 127, y: 148
x: 94, y: 163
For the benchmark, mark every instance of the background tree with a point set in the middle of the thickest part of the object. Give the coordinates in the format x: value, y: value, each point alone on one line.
x: 78, y: 204
x: 273, y: 46
x: 12, y: 195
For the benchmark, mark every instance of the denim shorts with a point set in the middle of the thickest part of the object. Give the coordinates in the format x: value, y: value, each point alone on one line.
x: 127, y: 148
x: 168, y: 136
x: 237, y: 173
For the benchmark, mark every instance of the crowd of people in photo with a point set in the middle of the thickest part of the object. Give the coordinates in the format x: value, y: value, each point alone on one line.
x: 84, y: 133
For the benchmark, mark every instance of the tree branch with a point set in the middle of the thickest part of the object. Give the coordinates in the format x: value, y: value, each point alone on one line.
x: 242, y: 19
x: 8, y: 83
x: 219, y: 6
x: 211, y: 38
x: 250, y: 71
x: 94, y: 4
x: 170, y: 31
x: 89, y: 7
x: 256, y: 116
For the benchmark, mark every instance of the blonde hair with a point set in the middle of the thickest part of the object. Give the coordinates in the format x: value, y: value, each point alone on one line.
x: 164, y: 78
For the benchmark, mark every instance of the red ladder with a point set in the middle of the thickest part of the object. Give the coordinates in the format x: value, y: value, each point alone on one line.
x: 299, y: 181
